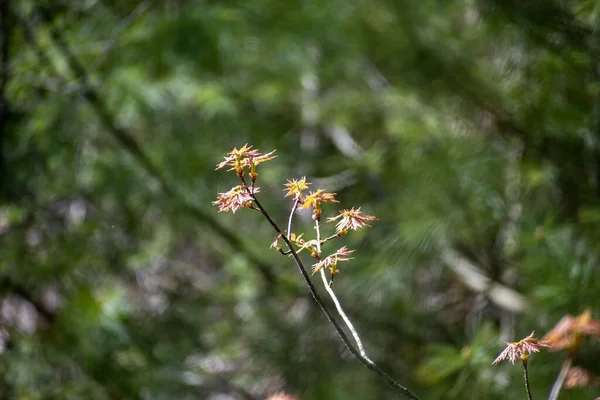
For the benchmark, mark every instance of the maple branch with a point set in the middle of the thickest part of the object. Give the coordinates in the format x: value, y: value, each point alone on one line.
x: 338, y: 306
x: 560, y: 379
x: 313, y: 291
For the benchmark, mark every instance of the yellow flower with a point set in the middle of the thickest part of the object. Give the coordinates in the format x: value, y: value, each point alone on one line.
x: 315, y: 198
x: 296, y: 187
x: 245, y: 157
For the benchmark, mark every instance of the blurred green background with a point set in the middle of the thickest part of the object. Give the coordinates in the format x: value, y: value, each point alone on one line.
x: 470, y: 128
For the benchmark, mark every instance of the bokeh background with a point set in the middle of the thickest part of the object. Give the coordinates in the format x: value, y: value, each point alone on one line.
x: 470, y: 128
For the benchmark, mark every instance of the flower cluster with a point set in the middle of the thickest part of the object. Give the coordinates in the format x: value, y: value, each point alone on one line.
x: 245, y: 160
x: 242, y: 195
x: 314, y: 200
x: 350, y: 219
x: 331, y: 261
x: 295, y: 187
x: 521, y: 349
x: 569, y: 332
x: 238, y: 197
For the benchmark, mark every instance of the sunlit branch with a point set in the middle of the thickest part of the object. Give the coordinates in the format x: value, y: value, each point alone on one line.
x: 560, y: 379
x: 338, y: 306
x: 313, y: 291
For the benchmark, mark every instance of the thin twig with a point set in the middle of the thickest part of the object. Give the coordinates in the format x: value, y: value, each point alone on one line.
x: 291, y: 217
x: 289, y: 227
x: 313, y: 291
x: 560, y: 379
x: 340, y: 310
x: 526, y: 377
x: 338, y: 306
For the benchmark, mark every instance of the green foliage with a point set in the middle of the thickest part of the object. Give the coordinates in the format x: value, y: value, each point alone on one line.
x: 465, y: 125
